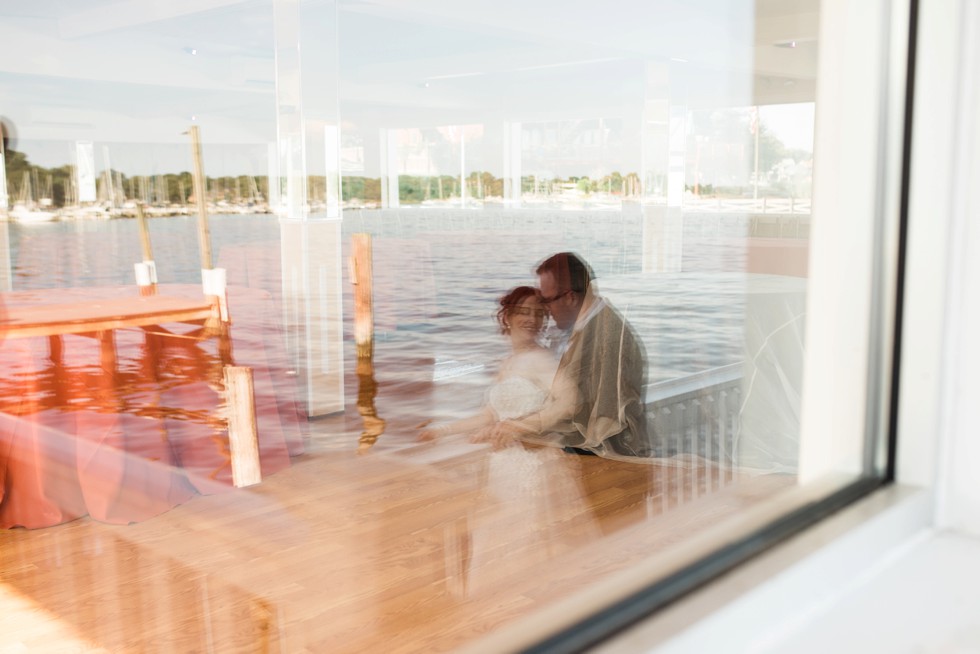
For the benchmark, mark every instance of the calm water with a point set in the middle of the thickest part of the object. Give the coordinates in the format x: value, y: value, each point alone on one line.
x: 437, y: 276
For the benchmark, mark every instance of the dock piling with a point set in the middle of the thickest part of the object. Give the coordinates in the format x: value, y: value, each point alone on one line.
x: 362, y: 279
x: 243, y: 437
x: 200, y: 195
x: 146, y: 271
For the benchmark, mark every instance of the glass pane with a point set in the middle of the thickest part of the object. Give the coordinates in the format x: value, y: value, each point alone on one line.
x: 289, y: 362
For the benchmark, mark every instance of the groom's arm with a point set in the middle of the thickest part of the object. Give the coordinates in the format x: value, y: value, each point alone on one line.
x: 558, y: 411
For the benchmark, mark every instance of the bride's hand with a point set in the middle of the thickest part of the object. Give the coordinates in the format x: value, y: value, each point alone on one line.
x: 483, y: 435
x: 500, y: 435
x: 505, y: 434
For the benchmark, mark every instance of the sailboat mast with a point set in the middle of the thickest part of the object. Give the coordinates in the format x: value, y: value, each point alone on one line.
x: 4, y: 198
x: 110, y: 191
x: 26, y: 194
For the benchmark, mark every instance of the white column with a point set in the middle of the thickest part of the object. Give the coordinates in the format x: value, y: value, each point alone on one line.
x: 331, y: 147
x: 676, y: 159
x: 512, y: 163
x: 664, y: 147
x: 6, y: 282
x: 462, y: 166
x: 313, y: 308
x: 6, y: 276
x: 275, y: 192
x: 4, y: 199
x: 389, y: 168
x: 308, y: 120
x: 663, y: 238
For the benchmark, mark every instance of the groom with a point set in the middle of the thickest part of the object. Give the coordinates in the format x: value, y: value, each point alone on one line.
x: 596, y: 403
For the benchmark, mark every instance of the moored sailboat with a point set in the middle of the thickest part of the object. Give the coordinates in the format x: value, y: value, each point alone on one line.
x: 25, y: 209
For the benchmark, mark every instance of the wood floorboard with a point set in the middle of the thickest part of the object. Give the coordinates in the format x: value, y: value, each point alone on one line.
x: 405, y: 548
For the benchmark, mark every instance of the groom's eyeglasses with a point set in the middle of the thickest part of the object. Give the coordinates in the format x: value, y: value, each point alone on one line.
x: 528, y: 311
x: 548, y: 300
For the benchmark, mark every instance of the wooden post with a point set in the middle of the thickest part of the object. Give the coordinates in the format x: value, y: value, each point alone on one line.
x: 144, y: 233
x: 212, y: 280
x: 146, y: 272
x: 362, y: 278
x: 367, y: 389
x: 200, y: 194
x: 243, y: 437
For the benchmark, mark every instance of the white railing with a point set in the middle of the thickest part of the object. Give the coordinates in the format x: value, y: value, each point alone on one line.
x: 697, y: 414
x: 748, y: 205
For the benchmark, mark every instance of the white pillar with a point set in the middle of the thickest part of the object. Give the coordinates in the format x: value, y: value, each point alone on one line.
x: 663, y: 238
x: 389, y: 168
x: 664, y: 144
x: 5, y: 281
x: 512, y: 163
x: 4, y: 201
x: 331, y: 147
x: 677, y: 154
x: 6, y: 275
x: 462, y: 167
x: 313, y: 308
x: 308, y: 125
x: 275, y: 192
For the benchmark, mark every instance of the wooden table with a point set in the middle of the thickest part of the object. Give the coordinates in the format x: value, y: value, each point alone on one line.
x: 102, y: 314
x: 136, y: 424
x: 99, y: 317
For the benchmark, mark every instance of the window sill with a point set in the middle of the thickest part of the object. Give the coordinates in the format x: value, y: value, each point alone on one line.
x: 771, y: 598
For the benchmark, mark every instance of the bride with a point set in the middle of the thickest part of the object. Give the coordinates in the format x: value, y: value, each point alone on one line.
x: 541, y: 480
x: 526, y: 376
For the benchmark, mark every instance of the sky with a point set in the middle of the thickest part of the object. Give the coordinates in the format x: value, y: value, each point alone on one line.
x: 133, y: 81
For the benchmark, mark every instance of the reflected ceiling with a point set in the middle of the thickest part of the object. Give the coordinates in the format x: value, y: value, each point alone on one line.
x: 108, y: 70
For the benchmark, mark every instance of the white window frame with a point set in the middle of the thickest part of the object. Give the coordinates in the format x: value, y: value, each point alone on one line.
x: 938, y: 456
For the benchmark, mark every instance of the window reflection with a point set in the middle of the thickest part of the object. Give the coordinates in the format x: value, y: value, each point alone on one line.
x: 375, y: 179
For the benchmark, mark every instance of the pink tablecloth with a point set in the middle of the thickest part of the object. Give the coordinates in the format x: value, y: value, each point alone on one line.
x: 127, y: 444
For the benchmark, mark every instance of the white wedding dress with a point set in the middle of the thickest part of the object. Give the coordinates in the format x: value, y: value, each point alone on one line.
x: 514, y: 397
x: 510, y: 398
x: 541, y: 481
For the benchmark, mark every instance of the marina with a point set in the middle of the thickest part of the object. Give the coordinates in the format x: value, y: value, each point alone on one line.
x: 434, y: 342
x: 433, y: 542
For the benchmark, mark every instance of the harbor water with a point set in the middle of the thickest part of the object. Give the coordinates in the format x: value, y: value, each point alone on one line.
x: 437, y: 275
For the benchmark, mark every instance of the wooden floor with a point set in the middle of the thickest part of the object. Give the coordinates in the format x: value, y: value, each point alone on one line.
x: 403, y: 547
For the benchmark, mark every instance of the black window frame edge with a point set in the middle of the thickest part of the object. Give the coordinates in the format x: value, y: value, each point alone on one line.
x: 614, y: 619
